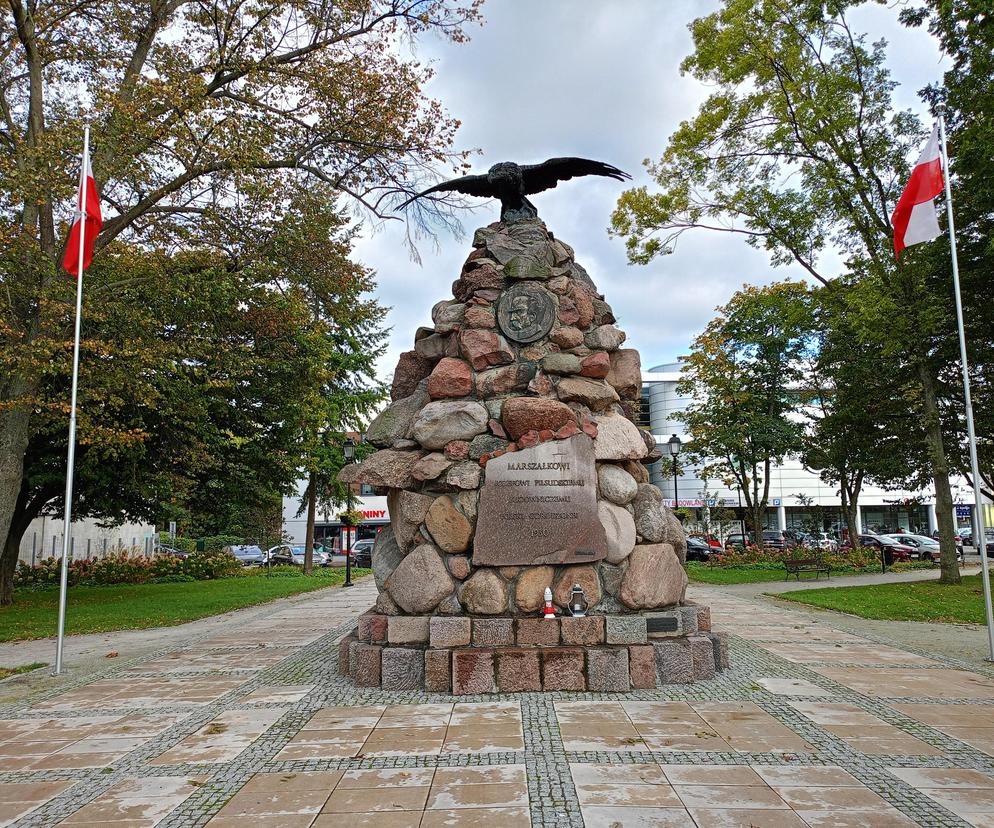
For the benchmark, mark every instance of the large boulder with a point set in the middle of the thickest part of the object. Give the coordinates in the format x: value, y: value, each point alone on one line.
x: 484, y: 348
x: 431, y: 466
x: 411, y: 369
x: 529, y: 592
x: 420, y: 581
x: 499, y: 381
x: 387, y: 555
x: 595, y: 394
x: 448, y: 526
x: 485, y: 593
x: 450, y: 378
x: 654, y: 578
x: 604, y: 338
x: 388, y: 468
x: 441, y: 422
x: 650, y: 520
x: 583, y: 574
x: 614, y: 483
x: 523, y: 414
x: 626, y: 373
x: 394, y: 421
x: 618, y: 439
x: 619, y: 526
x: 447, y: 316
x: 407, y: 513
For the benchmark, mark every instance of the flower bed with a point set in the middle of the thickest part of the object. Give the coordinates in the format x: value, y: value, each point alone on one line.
x: 764, y: 556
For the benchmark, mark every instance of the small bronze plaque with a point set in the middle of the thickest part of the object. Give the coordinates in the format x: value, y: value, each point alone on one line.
x: 526, y: 312
x: 539, y: 506
x: 658, y: 625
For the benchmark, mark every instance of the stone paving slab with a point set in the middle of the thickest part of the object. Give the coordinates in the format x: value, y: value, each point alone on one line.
x: 815, y: 725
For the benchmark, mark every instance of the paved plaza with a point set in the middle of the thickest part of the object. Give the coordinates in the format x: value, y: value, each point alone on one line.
x: 815, y: 725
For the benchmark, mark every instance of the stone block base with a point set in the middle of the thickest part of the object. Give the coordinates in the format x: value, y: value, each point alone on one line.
x: 471, y: 656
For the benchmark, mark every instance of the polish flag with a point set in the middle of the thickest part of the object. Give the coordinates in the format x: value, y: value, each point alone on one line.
x: 914, y: 218
x: 89, y: 218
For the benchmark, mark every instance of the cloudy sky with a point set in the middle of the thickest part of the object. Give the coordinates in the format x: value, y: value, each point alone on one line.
x: 544, y: 78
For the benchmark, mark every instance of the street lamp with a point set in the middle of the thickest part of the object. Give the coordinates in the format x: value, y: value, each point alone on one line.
x: 674, y: 444
x: 348, y: 449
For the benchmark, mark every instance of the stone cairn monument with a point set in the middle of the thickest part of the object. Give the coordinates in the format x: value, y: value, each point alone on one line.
x: 512, y: 465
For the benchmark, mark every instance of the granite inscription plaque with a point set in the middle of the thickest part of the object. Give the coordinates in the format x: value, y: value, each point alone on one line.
x: 539, y: 506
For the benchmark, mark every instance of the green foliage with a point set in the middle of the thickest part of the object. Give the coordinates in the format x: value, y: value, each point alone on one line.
x: 129, y: 567
x: 843, y: 560
x: 742, y: 375
x: 182, y: 544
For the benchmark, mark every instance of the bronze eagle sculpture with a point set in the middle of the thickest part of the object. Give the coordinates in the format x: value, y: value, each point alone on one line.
x: 511, y: 183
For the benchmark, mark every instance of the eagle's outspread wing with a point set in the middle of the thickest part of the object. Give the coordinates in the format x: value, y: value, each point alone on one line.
x: 545, y: 176
x: 474, y: 185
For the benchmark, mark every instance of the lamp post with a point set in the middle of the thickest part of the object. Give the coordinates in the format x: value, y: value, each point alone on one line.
x: 348, y: 449
x: 674, y: 444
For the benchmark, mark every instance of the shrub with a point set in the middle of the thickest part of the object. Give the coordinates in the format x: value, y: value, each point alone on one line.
x: 765, y: 556
x: 204, y: 566
x: 173, y: 579
x: 215, y: 543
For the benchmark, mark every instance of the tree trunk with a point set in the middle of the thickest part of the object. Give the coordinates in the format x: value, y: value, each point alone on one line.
x: 312, y: 504
x: 940, y: 473
x: 14, y: 436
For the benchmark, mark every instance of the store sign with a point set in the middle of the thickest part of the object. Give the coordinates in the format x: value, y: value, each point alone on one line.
x: 697, y: 503
x: 964, y: 511
x: 373, y: 514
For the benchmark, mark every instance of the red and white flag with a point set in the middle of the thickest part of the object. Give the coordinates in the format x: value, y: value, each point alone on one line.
x: 914, y: 218
x: 88, y: 220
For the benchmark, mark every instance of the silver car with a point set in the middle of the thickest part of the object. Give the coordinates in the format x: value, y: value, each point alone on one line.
x: 247, y: 555
x: 294, y: 555
x: 928, y: 548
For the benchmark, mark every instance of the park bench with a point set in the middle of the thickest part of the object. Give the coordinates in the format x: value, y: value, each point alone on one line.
x: 799, y: 565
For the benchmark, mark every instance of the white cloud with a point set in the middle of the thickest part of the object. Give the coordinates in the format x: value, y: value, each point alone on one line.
x: 600, y: 80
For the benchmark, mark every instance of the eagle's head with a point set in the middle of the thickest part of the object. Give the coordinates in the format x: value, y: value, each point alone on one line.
x: 506, y: 172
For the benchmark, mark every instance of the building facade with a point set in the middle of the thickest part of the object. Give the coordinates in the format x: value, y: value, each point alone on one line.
x: 799, y: 499
x: 328, y: 529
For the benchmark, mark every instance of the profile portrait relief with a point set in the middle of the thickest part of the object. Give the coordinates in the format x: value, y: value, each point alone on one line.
x: 526, y: 312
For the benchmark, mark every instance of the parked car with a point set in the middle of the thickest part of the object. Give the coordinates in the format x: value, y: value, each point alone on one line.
x: 774, y: 539
x: 294, y: 555
x: 928, y: 548
x: 825, y: 542
x: 700, y: 550
x: 247, y: 555
x: 738, y: 539
x: 893, y: 550
x: 710, y: 540
x: 171, y: 550
x: 362, y: 553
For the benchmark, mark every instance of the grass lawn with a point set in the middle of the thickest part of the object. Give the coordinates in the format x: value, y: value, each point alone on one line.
x: 7, y: 672
x: 34, y: 613
x: 701, y: 573
x: 915, y: 601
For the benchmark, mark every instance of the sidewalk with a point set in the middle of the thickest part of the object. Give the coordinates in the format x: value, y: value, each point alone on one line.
x: 245, y: 719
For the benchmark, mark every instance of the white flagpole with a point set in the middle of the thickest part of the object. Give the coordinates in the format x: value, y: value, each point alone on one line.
x: 971, y: 435
x: 71, y: 459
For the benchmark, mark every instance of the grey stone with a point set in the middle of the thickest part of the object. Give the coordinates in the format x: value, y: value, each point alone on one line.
x: 402, y: 668
x: 614, y: 483
x: 407, y: 629
x: 674, y: 661
x: 407, y: 513
x: 561, y: 364
x: 618, y: 439
x: 449, y: 632
x: 593, y: 393
x: 654, y: 578
x: 485, y: 593
x: 608, y: 605
x: 442, y: 421
x: 447, y: 316
x: 486, y: 444
x: 611, y: 577
x: 688, y: 619
x: 464, y: 475
x: 433, y: 347
x: 720, y: 643
x: 526, y: 267
x: 619, y: 528
x: 625, y: 629
x: 420, y: 581
x: 385, y: 605
x: 394, y: 422
x: 468, y: 502
x: 386, y: 468
x: 607, y: 670
x: 493, y: 632
x: 650, y: 522
x: 431, y: 466
x: 702, y: 653
x: 604, y: 338
x: 387, y: 555
x: 449, y: 605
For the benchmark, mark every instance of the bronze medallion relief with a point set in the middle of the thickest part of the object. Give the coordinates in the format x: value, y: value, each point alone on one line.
x: 526, y: 313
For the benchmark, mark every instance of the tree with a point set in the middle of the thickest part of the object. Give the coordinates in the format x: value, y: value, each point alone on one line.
x: 963, y: 29
x: 207, y: 118
x: 801, y: 153
x: 859, y: 427
x: 743, y: 375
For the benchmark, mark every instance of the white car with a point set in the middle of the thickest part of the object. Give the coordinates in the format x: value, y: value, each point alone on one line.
x: 825, y: 542
x: 928, y: 548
